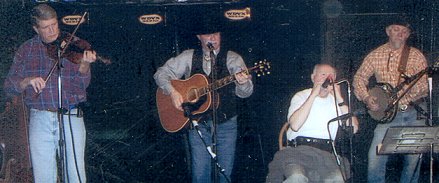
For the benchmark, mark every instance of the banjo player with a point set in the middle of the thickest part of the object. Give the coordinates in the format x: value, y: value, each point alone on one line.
x: 391, y: 64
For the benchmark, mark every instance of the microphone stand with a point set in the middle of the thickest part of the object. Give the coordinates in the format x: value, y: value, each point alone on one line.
x: 350, y: 129
x: 214, y: 113
x: 61, y: 142
x: 337, y: 158
x: 344, y: 127
x: 210, y: 149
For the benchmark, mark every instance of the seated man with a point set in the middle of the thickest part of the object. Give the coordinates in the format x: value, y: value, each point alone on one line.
x: 310, y: 157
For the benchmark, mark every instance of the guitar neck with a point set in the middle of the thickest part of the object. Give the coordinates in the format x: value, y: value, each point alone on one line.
x: 221, y: 82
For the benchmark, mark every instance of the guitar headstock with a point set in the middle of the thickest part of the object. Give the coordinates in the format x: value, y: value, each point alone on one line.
x: 262, y: 68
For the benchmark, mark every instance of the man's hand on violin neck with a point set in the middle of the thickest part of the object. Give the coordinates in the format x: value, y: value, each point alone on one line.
x: 89, y: 56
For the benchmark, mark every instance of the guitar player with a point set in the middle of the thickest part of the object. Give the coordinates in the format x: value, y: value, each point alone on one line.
x: 392, y: 63
x: 200, y: 61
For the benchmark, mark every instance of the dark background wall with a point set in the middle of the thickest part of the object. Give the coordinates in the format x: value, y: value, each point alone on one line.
x: 125, y: 140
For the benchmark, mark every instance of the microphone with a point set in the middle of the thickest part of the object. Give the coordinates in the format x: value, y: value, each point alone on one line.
x: 327, y: 82
x: 209, y: 45
x: 348, y: 115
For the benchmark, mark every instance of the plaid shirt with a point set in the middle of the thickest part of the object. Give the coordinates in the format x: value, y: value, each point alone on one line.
x: 383, y: 64
x: 32, y: 60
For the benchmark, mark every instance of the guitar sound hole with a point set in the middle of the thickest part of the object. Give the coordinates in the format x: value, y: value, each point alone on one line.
x: 192, y: 95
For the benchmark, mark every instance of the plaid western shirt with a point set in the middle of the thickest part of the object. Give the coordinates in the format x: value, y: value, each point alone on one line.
x: 32, y: 60
x: 383, y: 63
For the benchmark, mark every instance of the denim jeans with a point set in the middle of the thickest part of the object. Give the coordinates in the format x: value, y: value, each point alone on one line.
x: 377, y: 163
x: 201, y: 160
x: 43, y: 142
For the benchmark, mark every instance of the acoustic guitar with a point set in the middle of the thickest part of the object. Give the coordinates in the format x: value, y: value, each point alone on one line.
x: 196, y: 93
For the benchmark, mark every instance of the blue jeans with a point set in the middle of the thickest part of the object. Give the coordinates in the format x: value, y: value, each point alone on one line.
x: 201, y: 160
x: 377, y: 163
x: 43, y: 142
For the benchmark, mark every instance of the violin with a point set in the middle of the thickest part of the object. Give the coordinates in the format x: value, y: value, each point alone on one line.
x: 67, y: 46
x: 73, y: 51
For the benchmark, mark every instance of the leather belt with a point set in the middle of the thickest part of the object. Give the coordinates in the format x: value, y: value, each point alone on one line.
x: 50, y: 110
x: 322, y: 144
x: 73, y: 111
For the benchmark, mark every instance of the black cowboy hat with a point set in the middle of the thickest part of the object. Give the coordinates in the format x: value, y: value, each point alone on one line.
x: 204, y: 21
x: 400, y: 19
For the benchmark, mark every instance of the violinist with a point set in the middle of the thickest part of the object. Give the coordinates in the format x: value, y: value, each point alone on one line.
x: 28, y: 76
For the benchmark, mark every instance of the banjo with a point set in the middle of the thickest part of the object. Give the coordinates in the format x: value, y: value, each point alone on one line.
x: 387, y: 97
x: 387, y: 107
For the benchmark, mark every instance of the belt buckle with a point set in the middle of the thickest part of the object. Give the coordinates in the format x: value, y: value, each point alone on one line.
x: 292, y: 143
x: 403, y: 107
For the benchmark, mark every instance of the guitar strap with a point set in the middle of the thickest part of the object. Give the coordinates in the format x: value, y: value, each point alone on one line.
x: 403, y: 61
x: 197, y: 63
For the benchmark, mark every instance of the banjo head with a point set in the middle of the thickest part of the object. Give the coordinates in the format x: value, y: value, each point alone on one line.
x: 383, y: 94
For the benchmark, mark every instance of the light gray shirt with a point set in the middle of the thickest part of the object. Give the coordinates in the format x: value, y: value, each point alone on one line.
x: 181, y: 65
